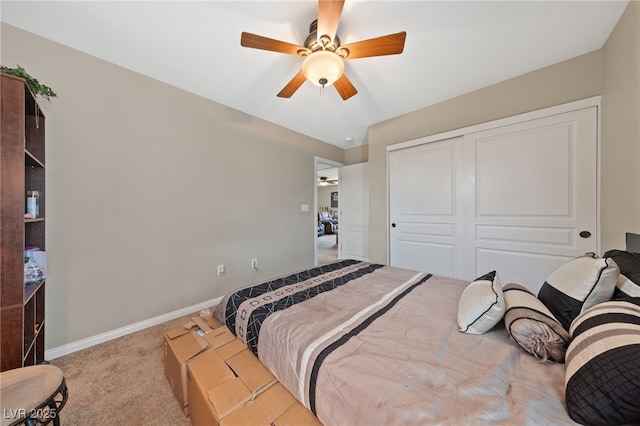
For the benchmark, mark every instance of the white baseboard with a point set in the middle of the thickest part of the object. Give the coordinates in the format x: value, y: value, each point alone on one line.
x: 123, y: 331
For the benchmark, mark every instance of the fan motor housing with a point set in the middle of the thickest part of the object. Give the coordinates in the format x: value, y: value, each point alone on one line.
x: 313, y: 44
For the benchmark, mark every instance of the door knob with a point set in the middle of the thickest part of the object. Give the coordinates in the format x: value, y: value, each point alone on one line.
x: 393, y: 225
x: 585, y: 234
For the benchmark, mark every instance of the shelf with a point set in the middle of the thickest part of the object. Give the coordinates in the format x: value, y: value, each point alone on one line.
x: 31, y: 289
x: 31, y: 160
x: 34, y: 233
x: 33, y: 327
x: 31, y: 356
x: 22, y: 307
x: 37, y: 219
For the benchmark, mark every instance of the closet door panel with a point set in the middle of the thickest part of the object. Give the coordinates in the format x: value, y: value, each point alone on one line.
x: 518, y: 196
x: 534, y: 192
x: 426, y: 207
x: 518, y: 267
x: 525, y: 173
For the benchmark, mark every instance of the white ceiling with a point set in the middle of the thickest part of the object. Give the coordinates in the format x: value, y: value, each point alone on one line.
x: 452, y: 47
x: 327, y: 171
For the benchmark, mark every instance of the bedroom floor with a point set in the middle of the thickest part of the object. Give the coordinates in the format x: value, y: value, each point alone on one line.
x: 122, y: 382
x: 327, y: 249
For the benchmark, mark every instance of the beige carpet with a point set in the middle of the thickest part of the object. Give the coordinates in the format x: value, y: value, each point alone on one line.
x: 121, y: 382
x: 327, y: 249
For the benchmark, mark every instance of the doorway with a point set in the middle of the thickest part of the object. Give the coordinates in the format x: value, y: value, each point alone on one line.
x: 327, y: 188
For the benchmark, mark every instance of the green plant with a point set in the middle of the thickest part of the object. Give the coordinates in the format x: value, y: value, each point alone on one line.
x: 36, y: 87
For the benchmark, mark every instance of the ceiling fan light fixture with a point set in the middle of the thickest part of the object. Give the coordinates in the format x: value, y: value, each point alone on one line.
x: 323, y: 68
x: 323, y: 54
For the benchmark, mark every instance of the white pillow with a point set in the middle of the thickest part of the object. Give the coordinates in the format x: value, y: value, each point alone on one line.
x: 481, y: 305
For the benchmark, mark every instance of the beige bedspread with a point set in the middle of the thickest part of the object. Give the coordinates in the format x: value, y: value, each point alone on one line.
x: 384, y: 349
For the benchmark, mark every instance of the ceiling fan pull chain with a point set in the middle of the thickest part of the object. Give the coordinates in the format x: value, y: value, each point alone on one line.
x: 322, y: 82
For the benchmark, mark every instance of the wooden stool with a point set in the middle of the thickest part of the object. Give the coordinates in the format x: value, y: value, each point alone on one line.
x: 32, y: 395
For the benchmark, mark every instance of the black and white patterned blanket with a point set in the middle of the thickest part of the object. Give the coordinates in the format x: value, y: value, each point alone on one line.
x: 247, y: 308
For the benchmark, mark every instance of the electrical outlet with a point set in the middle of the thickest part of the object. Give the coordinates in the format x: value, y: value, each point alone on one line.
x: 220, y: 269
x: 254, y: 263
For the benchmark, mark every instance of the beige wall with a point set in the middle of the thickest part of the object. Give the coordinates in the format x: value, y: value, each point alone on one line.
x: 357, y: 154
x: 324, y: 196
x: 620, y: 186
x: 612, y: 72
x: 574, y: 79
x: 150, y: 187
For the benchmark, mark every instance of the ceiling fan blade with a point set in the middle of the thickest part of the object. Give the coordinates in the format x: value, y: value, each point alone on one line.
x: 345, y: 87
x: 291, y: 87
x: 391, y: 44
x: 329, y: 12
x: 259, y: 42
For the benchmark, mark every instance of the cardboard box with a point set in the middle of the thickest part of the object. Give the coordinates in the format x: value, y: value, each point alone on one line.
x: 277, y: 407
x: 205, y: 372
x: 251, y: 371
x: 229, y: 396
x: 183, y: 344
x: 219, y: 387
x: 274, y: 401
x: 248, y: 415
x: 231, y: 348
x: 297, y: 415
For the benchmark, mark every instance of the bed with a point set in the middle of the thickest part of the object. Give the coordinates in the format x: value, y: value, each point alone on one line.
x: 367, y: 344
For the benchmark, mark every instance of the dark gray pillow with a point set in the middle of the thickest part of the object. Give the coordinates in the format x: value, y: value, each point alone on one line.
x: 633, y: 242
x: 628, y: 284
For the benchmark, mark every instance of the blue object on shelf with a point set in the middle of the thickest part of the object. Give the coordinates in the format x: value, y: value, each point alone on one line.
x: 32, y: 270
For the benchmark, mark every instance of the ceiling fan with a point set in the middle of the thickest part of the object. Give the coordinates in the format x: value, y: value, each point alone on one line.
x: 323, y: 55
x: 323, y: 180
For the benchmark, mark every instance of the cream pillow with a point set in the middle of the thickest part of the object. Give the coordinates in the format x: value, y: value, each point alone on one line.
x: 481, y: 305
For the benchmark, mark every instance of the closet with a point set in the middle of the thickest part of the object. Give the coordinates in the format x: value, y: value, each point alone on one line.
x: 517, y: 195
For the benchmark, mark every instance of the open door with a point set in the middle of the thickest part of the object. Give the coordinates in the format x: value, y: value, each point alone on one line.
x: 322, y: 168
x: 353, y: 202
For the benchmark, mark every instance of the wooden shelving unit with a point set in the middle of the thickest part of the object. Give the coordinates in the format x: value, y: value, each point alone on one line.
x: 22, y: 312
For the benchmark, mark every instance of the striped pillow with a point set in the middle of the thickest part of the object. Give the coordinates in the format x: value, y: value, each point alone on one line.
x: 578, y: 285
x: 603, y: 374
x: 532, y: 325
x: 628, y: 284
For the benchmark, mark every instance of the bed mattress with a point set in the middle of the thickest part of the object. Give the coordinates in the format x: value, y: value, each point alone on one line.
x: 367, y: 344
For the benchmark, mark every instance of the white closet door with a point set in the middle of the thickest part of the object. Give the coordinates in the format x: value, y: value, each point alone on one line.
x: 425, y: 207
x: 518, y: 197
x: 353, y: 205
x: 531, y: 194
